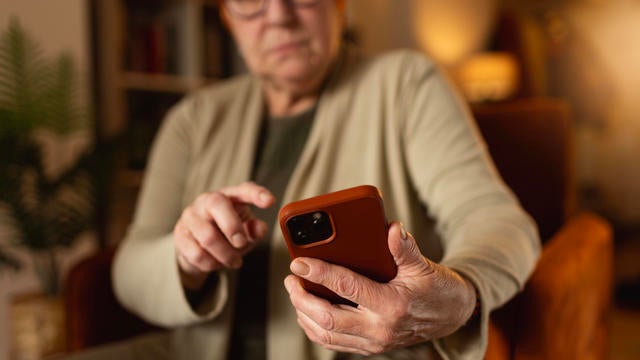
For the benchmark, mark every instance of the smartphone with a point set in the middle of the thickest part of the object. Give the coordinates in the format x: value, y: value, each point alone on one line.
x: 347, y: 228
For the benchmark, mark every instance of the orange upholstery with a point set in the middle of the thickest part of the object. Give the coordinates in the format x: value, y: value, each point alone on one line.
x: 531, y: 143
x: 562, y: 312
x: 565, y: 304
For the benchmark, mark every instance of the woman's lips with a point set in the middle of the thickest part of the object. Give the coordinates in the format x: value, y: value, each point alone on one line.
x: 288, y: 46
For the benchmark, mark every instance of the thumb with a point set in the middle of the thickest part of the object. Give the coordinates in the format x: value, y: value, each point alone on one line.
x: 405, y: 251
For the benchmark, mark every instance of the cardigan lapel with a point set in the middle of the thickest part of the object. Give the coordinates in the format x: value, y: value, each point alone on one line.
x: 285, y: 339
x: 249, y: 121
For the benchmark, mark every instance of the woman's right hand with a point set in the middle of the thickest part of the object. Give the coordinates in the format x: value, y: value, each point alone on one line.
x: 217, y: 230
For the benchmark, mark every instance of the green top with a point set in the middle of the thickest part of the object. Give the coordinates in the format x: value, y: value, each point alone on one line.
x: 279, y: 147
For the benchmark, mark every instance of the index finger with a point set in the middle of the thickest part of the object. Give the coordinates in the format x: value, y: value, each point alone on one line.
x: 250, y: 193
x: 344, y: 282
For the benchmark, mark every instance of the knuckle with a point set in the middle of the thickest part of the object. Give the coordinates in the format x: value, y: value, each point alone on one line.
x: 215, y: 198
x: 325, y: 337
x: 375, y: 349
x: 347, y: 287
x: 207, y: 236
x: 203, y: 199
x: 200, y: 198
x: 383, y: 338
x: 398, y: 310
x: 189, y: 212
x: 326, y: 320
x: 195, y: 256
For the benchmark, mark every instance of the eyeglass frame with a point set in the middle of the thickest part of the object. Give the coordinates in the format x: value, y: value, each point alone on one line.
x: 263, y: 9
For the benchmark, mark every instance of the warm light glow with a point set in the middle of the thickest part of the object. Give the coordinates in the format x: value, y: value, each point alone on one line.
x: 603, y: 80
x: 488, y: 77
x: 451, y: 30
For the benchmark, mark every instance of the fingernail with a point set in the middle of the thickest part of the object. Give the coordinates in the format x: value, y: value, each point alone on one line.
x: 403, y: 232
x: 299, y: 267
x: 287, y: 284
x: 238, y: 240
x: 264, y: 197
x: 262, y: 229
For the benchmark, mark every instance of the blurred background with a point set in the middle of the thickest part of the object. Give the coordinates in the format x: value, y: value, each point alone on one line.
x: 113, y: 67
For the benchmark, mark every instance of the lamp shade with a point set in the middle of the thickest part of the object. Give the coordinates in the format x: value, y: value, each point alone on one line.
x: 452, y: 30
x: 490, y: 76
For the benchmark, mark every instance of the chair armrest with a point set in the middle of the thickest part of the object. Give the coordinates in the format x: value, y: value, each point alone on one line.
x: 93, y: 315
x: 498, y: 347
x: 563, y: 311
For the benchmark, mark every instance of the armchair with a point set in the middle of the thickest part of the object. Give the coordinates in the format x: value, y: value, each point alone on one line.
x: 562, y: 312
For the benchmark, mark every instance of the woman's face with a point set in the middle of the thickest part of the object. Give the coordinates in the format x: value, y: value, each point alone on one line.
x: 289, y: 45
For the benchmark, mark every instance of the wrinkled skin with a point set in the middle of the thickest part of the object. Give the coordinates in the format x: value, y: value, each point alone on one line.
x: 424, y: 301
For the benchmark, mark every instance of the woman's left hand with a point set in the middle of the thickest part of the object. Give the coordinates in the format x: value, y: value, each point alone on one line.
x: 424, y: 301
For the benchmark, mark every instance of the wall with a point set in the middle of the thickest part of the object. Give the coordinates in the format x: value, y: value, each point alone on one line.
x: 381, y: 24
x: 60, y: 25
x: 449, y: 31
x: 609, y: 156
x: 57, y: 25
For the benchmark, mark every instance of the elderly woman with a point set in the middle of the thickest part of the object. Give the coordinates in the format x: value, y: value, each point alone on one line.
x: 203, y: 255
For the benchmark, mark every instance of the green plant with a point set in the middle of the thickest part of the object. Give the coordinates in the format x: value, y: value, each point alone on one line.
x: 42, y: 212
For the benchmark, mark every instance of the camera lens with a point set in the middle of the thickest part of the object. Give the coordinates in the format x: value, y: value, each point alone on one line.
x: 318, y: 218
x: 310, y: 227
x: 301, y: 236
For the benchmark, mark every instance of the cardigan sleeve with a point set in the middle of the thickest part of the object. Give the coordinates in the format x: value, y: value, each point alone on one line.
x: 487, y: 237
x: 145, y: 272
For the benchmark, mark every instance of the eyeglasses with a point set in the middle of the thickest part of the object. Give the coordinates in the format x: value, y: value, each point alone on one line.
x: 249, y: 9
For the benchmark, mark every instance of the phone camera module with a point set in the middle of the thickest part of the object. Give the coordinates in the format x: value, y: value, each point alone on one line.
x: 310, y: 228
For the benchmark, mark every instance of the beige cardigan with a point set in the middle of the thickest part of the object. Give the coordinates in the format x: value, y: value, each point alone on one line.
x: 392, y: 122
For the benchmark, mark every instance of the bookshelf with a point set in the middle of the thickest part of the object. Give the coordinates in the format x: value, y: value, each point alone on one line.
x: 148, y: 54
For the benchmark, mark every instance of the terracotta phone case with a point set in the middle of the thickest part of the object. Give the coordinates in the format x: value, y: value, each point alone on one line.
x: 357, y: 238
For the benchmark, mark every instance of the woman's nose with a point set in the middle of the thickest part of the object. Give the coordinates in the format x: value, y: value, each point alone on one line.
x: 280, y: 12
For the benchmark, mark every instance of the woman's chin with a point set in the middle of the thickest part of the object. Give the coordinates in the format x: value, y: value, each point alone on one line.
x: 296, y: 78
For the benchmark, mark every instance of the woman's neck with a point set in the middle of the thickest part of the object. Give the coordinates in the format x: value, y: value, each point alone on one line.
x: 286, y: 98
x: 285, y: 103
